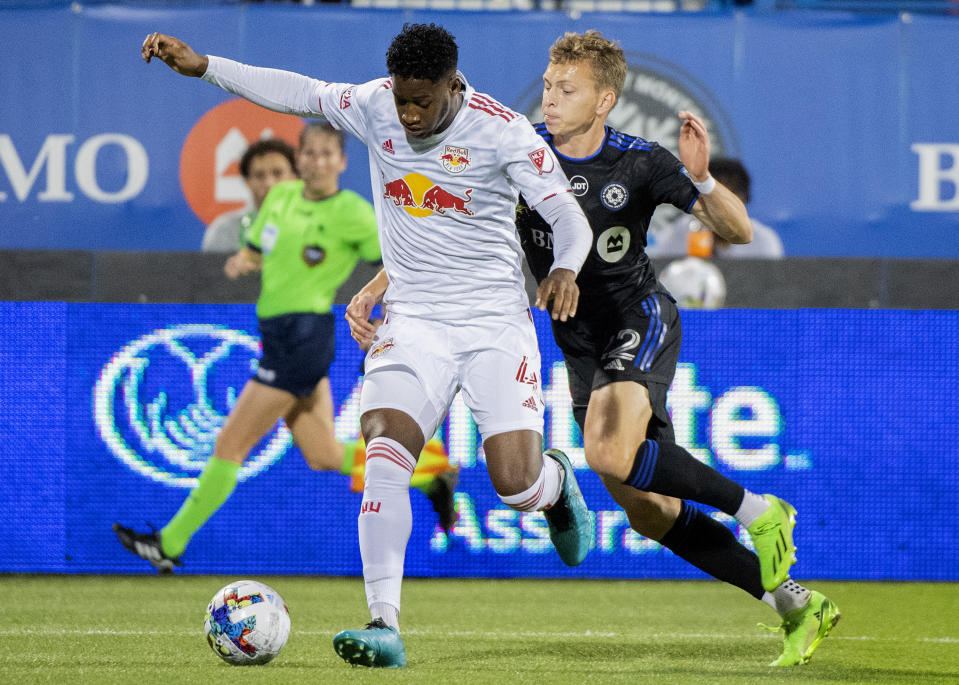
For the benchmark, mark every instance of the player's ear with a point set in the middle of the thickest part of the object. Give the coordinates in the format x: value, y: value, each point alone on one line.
x: 607, y: 101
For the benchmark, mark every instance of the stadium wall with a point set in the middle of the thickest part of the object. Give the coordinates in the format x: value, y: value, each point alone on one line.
x: 196, y: 277
x: 108, y: 412
x: 837, y: 116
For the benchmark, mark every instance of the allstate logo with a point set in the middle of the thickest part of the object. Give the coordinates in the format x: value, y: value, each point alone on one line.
x: 161, y: 401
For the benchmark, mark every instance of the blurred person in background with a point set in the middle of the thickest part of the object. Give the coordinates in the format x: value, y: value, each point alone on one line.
x: 687, y: 236
x: 263, y: 164
x: 306, y: 240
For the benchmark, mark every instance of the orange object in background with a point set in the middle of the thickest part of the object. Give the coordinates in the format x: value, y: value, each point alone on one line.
x: 209, y: 160
x: 700, y: 243
x: 432, y: 462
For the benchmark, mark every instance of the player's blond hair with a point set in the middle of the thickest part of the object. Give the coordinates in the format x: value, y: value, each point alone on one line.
x: 604, y: 56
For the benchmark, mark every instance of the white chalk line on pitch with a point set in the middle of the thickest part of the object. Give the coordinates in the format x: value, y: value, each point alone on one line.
x: 53, y: 632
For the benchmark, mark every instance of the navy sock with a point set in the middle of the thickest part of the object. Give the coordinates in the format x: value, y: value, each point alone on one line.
x: 711, y: 547
x: 668, y: 469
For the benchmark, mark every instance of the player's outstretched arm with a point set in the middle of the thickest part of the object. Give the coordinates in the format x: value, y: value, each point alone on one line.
x: 178, y: 55
x: 275, y: 89
x: 719, y: 209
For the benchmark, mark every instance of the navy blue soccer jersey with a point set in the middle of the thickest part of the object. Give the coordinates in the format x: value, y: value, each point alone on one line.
x: 618, y: 188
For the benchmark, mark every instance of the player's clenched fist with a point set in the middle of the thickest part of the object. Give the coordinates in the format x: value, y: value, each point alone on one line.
x: 178, y: 55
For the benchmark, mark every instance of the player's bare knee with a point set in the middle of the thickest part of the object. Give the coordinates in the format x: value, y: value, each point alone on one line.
x: 514, y: 460
x: 510, y: 476
x: 608, y: 457
x: 395, y: 425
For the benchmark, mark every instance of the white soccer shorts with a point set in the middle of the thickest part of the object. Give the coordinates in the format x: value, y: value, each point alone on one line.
x: 416, y: 366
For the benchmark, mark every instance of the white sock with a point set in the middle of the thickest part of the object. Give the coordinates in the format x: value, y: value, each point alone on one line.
x: 752, y: 507
x: 543, y: 493
x: 385, y: 523
x: 389, y: 613
x: 787, y: 597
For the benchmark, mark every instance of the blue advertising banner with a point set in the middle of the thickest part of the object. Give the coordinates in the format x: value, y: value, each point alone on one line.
x: 837, y: 116
x: 109, y: 412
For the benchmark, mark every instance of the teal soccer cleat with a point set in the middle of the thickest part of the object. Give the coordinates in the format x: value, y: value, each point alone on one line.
x: 570, y: 522
x: 376, y: 646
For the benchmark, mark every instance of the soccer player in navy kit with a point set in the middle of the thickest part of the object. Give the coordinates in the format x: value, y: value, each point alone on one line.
x: 622, y: 348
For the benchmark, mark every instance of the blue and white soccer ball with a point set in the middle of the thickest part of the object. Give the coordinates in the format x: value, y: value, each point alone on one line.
x: 695, y: 283
x: 247, y: 623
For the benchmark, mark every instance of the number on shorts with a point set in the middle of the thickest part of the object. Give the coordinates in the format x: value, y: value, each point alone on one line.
x: 627, y: 349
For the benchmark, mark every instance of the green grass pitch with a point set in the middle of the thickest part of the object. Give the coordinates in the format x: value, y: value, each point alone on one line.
x: 148, y: 629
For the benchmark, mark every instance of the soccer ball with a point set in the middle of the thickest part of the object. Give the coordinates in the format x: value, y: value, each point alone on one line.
x: 695, y: 283
x: 247, y: 623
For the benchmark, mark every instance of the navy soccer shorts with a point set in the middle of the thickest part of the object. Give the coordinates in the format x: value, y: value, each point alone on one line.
x: 634, y: 340
x: 297, y: 352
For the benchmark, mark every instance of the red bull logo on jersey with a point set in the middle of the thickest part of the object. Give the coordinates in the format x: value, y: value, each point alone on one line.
x: 455, y: 159
x: 382, y: 348
x: 420, y: 196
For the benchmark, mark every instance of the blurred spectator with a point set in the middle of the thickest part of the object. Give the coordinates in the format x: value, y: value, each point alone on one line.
x: 264, y: 164
x: 686, y: 236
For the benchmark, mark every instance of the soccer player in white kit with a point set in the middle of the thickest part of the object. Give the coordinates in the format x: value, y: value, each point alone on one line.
x: 447, y: 165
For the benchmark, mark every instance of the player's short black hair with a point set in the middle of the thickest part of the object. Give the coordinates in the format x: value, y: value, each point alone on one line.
x: 732, y: 174
x: 265, y: 147
x: 326, y: 129
x: 422, y: 51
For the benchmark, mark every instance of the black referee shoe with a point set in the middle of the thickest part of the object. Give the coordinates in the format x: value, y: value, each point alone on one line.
x: 147, y: 546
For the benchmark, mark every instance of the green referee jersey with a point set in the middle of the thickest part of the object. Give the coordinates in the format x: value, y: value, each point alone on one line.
x: 309, y: 248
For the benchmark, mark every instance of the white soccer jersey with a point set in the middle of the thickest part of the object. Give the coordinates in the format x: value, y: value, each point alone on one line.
x: 445, y: 205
